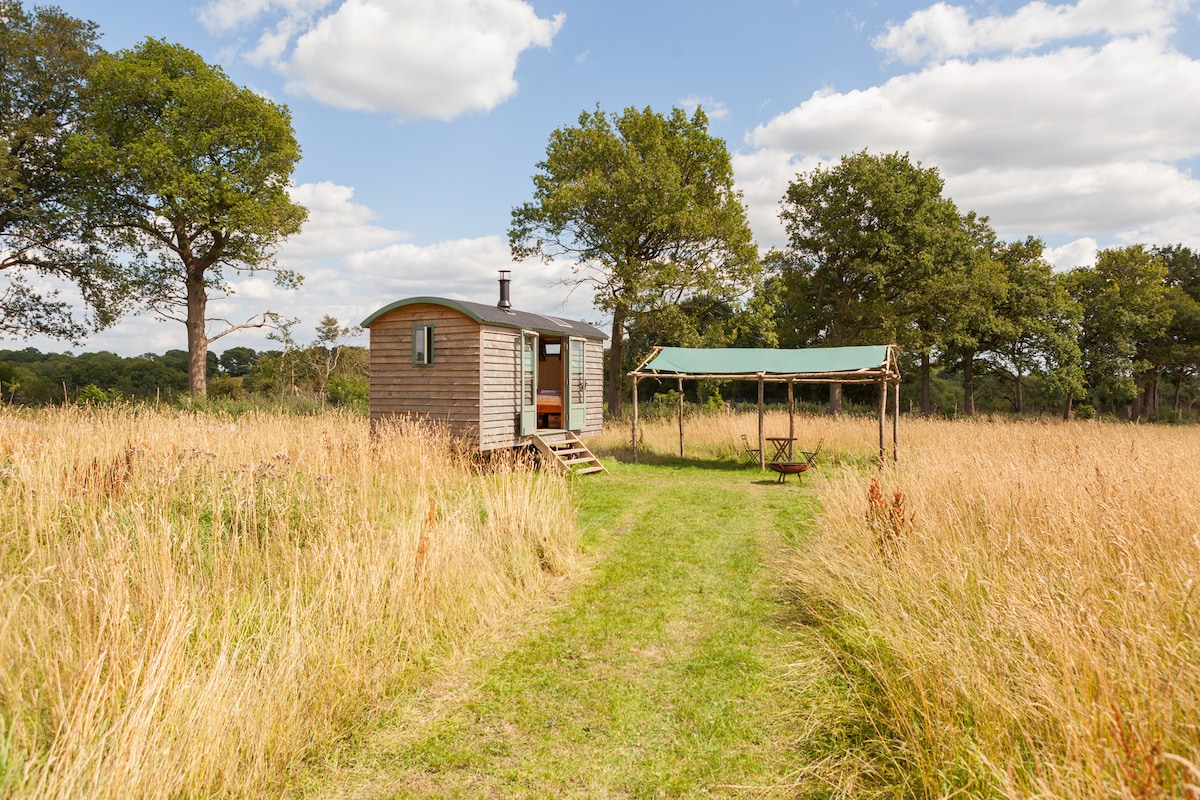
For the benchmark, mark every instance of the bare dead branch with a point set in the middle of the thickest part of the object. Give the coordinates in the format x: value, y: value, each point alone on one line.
x: 267, y: 319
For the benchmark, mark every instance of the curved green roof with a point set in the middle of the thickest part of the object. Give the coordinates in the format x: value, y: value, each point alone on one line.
x: 494, y: 315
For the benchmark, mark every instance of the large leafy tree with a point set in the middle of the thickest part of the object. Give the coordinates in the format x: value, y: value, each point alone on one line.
x: 872, y: 246
x: 238, y: 361
x: 1033, y: 328
x: 1017, y: 319
x: 188, y: 176
x: 1174, y: 354
x: 945, y: 290
x: 1127, y: 307
x: 645, y: 206
x: 44, y: 59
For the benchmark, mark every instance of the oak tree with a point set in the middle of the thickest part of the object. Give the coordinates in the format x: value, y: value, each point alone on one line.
x: 872, y: 244
x: 1126, y: 303
x: 1172, y: 353
x: 1038, y: 326
x: 188, y: 176
x: 45, y: 55
x: 1018, y: 320
x: 645, y: 207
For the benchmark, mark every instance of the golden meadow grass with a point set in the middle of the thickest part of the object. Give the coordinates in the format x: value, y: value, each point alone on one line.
x: 1018, y: 605
x: 196, y: 605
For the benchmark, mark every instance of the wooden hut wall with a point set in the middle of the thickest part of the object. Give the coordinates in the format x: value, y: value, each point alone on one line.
x: 594, y: 369
x: 446, y: 390
x: 499, y: 390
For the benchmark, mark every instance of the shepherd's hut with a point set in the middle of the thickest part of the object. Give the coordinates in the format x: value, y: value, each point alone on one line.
x: 497, y: 377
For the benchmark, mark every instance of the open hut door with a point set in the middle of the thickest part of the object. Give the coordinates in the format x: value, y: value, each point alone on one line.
x: 576, y: 384
x: 529, y: 350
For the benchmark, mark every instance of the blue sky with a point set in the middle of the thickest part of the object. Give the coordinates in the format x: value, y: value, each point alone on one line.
x: 421, y: 121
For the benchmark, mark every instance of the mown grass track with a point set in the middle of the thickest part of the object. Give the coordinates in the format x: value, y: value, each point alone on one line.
x: 659, y: 674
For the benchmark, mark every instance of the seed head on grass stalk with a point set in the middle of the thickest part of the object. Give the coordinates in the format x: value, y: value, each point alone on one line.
x: 892, y: 523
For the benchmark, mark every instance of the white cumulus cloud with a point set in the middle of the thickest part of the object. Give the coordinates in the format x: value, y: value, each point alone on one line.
x: 1084, y: 140
x: 1079, y: 253
x: 415, y: 58
x: 466, y: 269
x: 1076, y: 105
x: 947, y: 31
x: 351, y: 268
x: 336, y: 225
x: 1113, y: 196
x: 226, y: 15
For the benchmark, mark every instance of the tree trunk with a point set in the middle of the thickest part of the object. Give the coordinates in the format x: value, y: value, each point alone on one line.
x: 1067, y: 410
x: 836, y: 339
x: 1151, y: 402
x: 969, y: 384
x: 926, y: 399
x: 197, y: 338
x: 1020, y: 404
x: 615, y: 357
x: 835, y: 398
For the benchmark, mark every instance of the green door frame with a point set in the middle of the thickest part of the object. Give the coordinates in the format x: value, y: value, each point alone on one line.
x: 528, y: 382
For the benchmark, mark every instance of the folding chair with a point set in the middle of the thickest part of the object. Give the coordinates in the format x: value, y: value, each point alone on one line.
x: 753, y: 454
x: 810, y: 456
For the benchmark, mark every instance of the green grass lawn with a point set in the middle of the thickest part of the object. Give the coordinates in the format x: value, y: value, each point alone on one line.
x: 663, y: 671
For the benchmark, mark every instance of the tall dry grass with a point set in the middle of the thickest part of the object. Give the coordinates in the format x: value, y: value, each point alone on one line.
x: 1022, y: 597
x: 1014, y: 607
x: 194, y: 606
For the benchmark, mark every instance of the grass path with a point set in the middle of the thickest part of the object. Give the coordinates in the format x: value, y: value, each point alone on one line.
x: 658, y: 674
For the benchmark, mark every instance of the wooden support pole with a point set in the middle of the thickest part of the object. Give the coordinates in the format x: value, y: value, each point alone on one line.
x: 681, y: 417
x: 635, y: 420
x: 762, y: 442
x: 791, y: 421
x: 896, y: 426
x: 883, y: 398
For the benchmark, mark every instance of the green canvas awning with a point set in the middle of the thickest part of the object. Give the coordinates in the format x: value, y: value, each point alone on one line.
x: 871, y: 363
x: 863, y: 364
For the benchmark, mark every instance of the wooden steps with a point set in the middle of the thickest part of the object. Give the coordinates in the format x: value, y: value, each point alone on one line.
x: 564, y: 451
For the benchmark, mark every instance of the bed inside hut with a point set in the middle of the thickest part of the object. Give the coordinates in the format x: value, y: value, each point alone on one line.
x: 550, y: 383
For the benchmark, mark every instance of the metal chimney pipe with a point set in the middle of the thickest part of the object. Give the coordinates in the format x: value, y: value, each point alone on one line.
x: 504, y: 291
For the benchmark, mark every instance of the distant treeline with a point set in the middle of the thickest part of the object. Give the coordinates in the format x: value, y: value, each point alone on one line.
x: 338, y: 376
x: 322, y: 374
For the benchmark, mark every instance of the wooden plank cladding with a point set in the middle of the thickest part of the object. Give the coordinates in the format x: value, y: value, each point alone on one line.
x: 446, y: 390
x: 500, y: 387
x: 594, y: 370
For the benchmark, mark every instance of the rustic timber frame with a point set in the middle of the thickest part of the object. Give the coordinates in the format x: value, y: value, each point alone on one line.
x: 875, y: 364
x: 493, y: 375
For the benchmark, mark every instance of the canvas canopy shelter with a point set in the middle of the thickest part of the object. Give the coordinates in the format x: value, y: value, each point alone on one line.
x: 864, y: 364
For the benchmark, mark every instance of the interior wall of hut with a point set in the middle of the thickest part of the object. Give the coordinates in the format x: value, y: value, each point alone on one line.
x: 550, y: 381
